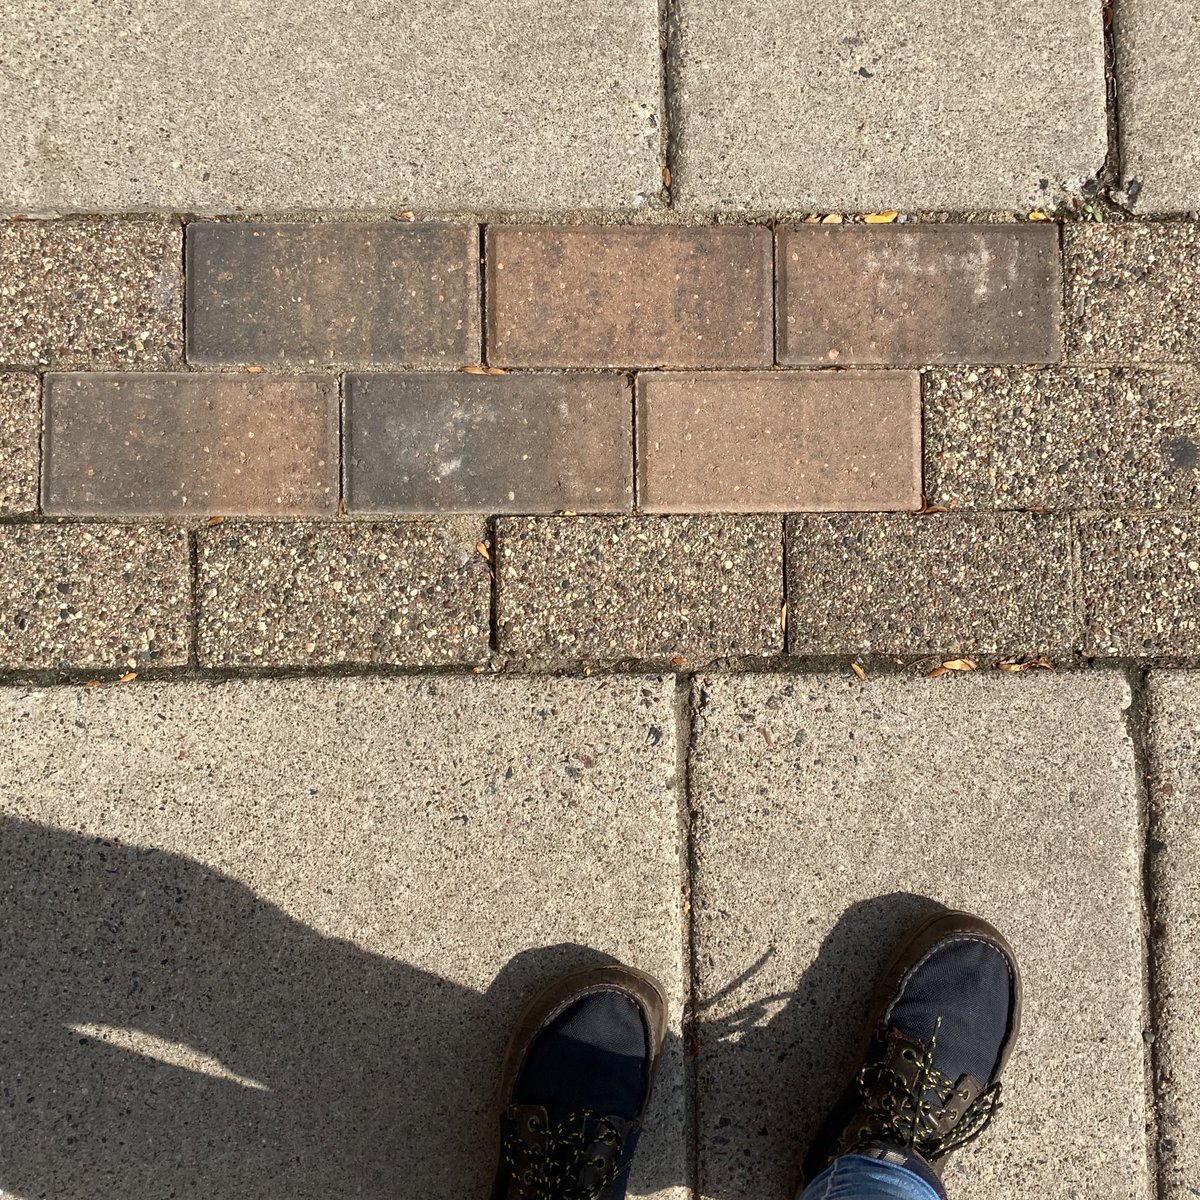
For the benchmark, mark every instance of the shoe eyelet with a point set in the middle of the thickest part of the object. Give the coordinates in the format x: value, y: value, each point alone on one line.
x: 963, y: 1094
x: 908, y: 1055
x: 533, y: 1125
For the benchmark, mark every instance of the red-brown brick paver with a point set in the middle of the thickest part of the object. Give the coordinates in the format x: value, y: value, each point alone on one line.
x: 602, y: 296
x: 515, y: 443
x: 136, y: 444
x: 910, y: 295
x: 333, y: 295
x: 775, y: 441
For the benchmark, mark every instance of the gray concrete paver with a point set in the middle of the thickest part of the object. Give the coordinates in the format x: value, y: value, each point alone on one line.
x: 268, y: 938
x: 828, y: 813
x: 1174, y: 765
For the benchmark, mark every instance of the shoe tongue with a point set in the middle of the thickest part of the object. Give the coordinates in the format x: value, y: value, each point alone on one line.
x: 910, y: 1160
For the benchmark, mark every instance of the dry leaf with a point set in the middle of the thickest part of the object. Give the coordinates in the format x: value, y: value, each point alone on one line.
x: 926, y: 509
x: 567, y: 512
x: 494, y: 371
x: 679, y: 660
x: 1038, y: 216
x: 129, y: 677
x: 937, y: 672
x: 858, y: 670
x: 482, y: 550
x: 254, y: 370
x: 666, y: 177
x: 1009, y: 665
x: 94, y: 683
x: 783, y: 618
x: 880, y: 218
x: 408, y: 215
x: 216, y: 520
x: 960, y: 664
x: 810, y: 220
x: 832, y: 219
x: 473, y: 369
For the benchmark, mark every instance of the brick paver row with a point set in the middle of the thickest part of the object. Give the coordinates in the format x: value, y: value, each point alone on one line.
x: 594, y: 589
x: 110, y: 291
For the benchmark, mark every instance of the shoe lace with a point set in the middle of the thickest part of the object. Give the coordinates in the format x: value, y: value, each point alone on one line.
x: 907, y: 1112
x: 553, y: 1167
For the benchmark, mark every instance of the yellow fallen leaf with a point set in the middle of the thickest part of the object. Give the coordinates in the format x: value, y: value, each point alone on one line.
x: 254, y: 370
x: 858, y: 670
x: 408, y: 215
x: 832, y: 219
x: 1038, y: 216
x: 482, y: 550
x: 880, y: 218
x: 783, y: 618
x: 960, y: 664
x: 666, y: 177
x: 810, y: 220
x: 494, y: 371
x: 129, y: 677
x: 473, y: 369
x: 567, y: 512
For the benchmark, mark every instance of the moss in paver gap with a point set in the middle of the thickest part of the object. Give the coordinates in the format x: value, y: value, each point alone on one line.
x: 333, y: 294
x: 93, y: 596
x: 598, y: 588
x: 1133, y: 292
x: 19, y: 434
x: 986, y: 584
x: 93, y: 292
x: 1063, y: 437
x: 304, y: 594
x: 1140, y: 577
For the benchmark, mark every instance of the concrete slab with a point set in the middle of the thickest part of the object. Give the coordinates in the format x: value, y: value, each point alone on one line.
x: 268, y: 938
x: 1174, y: 744
x: 831, y: 813
x: 218, y: 108
x: 839, y: 107
x: 1158, y: 43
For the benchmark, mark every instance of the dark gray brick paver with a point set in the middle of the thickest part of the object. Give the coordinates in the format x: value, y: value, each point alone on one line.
x: 1063, y: 437
x: 93, y: 597
x: 95, y: 292
x: 603, y: 296
x: 136, y: 444
x: 771, y: 441
x: 908, y: 295
x: 306, y: 594
x: 333, y: 294
x: 939, y: 584
x: 596, y: 588
x: 488, y: 444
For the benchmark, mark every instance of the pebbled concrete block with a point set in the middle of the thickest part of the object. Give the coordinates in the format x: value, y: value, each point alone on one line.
x: 20, y: 442
x: 829, y: 815
x: 273, y: 935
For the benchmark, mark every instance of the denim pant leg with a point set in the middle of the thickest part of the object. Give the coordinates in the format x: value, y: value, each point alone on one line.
x: 854, y: 1177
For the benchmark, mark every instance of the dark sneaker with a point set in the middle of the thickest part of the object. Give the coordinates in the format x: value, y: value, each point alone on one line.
x: 576, y: 1082
x: 943, y: 1020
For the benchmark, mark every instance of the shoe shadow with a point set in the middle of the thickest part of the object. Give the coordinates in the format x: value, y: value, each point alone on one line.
x: 166, y: 1032
x: 770, y: 1069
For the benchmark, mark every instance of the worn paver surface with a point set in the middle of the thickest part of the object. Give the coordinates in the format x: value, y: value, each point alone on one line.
x: 1157, y: 43
x: 828, y: 815
x: 831, y: 107
x: 1174, y: 745
x: 228, y: 108
x: 268, y: 938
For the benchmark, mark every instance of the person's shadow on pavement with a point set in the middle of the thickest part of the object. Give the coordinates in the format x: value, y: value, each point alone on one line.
x: 164, y: 1032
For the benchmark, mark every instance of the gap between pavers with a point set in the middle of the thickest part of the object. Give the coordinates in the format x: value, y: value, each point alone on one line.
x: 828, y: 813
x: 269, y: 938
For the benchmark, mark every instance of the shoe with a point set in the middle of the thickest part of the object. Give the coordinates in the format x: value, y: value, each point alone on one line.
x: 942, y: 1023
x: 577, y: 1079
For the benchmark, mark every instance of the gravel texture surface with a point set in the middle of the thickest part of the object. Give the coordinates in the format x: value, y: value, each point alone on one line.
x: 20, y: 420
x: 98, y: 292
x: 1132, y: 292
x: 991, y: 584
x: 1140, y: 577
x: 305, y: 594
x: 93, y: 596
x: 1063, y: 438
x: 830, y: 815
x: 597, y: 588
x: 275, y: 934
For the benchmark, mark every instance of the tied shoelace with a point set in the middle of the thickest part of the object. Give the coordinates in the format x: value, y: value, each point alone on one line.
x: 908, y: 1112
x: 559, y: 1168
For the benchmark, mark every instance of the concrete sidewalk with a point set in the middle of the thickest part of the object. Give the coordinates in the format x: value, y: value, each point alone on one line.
x: 266, y: 937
